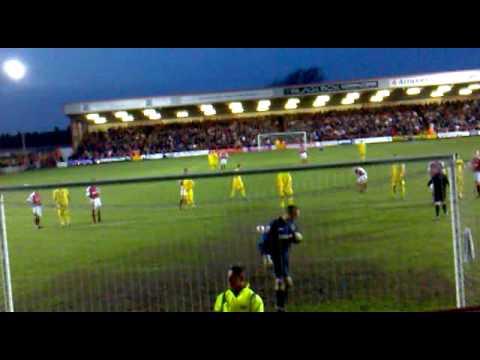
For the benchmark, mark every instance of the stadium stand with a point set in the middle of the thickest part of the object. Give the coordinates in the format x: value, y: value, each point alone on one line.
x: 117, y: 142
x: 31, y: 160
x: 402, y: 120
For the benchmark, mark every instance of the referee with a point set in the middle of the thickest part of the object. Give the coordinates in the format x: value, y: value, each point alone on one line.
x: 439, y: 182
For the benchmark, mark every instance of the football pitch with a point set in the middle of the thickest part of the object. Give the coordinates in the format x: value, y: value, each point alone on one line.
x: 361, y: 252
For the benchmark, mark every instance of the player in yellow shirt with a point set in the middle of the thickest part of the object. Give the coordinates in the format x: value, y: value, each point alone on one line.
x: 398, y: 179
x: 238, y: 185
x: 362, y: 150
x: 213, y: 160
x: 186, y: 191
x: 61, y: 197
x: 460, y: 165
x: 285, y: 188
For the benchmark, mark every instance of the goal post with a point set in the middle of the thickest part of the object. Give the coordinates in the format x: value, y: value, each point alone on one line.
x: 295, y: 137
x: 4, y: 255
x: 456, y: 236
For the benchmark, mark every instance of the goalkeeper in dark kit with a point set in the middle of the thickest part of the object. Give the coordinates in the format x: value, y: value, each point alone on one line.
x: 439, y: 184
x: 275, y: 245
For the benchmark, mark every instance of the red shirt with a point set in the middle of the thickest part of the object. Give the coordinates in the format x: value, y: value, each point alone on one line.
x: 93, y: 192
x: 476, y: 164
x: 36, y: 200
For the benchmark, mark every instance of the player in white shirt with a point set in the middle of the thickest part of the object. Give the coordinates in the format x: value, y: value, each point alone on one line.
x: 223, y: 160
x: 35, y: 202
x: 362, y: 179
x: 93, y: 193
x: 303, y: 154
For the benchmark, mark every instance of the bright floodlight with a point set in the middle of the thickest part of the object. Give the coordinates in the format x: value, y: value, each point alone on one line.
x: 474, y: 86
x: 383, y: 93
x: 444, y: 88
x: 263, y: 105
x: 128, y: 118
x: 236, y: 107
x: 156, y: 116
x: 319, y: 103
x: 376, y: 98
x: 92, y: 117
x: 347, y: 101
x: 321, y: 100
x: 465, y: 91
x: 208, y: 109
x: 149, y: 112
x: 292, y: 104
x: 100, y: 120
x: 414, y: 91
x: 354, y: 95
x: 14, y: 69
x: 436, y: 93
x: 121, y: 114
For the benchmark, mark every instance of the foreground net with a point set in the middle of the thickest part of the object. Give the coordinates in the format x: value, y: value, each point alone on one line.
x: 368, y: 251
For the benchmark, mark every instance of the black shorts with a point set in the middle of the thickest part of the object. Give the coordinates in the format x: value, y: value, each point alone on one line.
x: 439, y: 197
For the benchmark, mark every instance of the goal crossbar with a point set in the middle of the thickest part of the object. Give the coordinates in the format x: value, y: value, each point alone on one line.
x: 286, y: 133
x: 126, y: 181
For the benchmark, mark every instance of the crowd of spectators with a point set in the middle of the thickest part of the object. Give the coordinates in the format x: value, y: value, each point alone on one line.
x: 121, y: 142
x: 334, y: 125
x: 388, y: 121
x: 31, y: 160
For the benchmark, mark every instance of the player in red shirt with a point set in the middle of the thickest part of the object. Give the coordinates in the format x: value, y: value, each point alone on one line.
x: 93, y: 193
x: 223, y: 160
x: 475, y: 164
x: 36, y: 202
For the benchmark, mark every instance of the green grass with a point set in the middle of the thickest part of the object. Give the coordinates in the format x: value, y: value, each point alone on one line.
x: 362, y: 252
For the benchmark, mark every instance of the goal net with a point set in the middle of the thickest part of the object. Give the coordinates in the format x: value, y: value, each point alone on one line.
x: 371, y: 251
x: 282, y: 140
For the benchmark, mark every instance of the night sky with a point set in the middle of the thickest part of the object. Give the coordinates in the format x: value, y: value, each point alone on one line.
x: 59, y: 76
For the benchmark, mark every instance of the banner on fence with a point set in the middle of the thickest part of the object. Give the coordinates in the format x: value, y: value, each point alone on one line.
x: 453, y: 134
x: 373, y: 140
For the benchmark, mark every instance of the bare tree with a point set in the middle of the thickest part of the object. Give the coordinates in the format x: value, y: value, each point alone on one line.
x: 301, y: 76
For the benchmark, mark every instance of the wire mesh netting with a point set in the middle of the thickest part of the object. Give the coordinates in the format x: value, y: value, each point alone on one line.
x: 372, y: 251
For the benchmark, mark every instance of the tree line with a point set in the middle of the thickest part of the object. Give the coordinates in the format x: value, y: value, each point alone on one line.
x: 54, y: 138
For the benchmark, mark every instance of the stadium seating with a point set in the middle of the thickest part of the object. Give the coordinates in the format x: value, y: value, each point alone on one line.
x: 31, y: 160
x: 333, y: 125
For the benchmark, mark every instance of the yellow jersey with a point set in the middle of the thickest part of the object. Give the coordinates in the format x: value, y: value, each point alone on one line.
x: 237, y: 180
x: 61, y: 197
x: 398, y: 172
x: 212, y: 158
x: 188, y: 184
x: 460, y: 165
x: 362, y: 148
x: 284, y: 178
